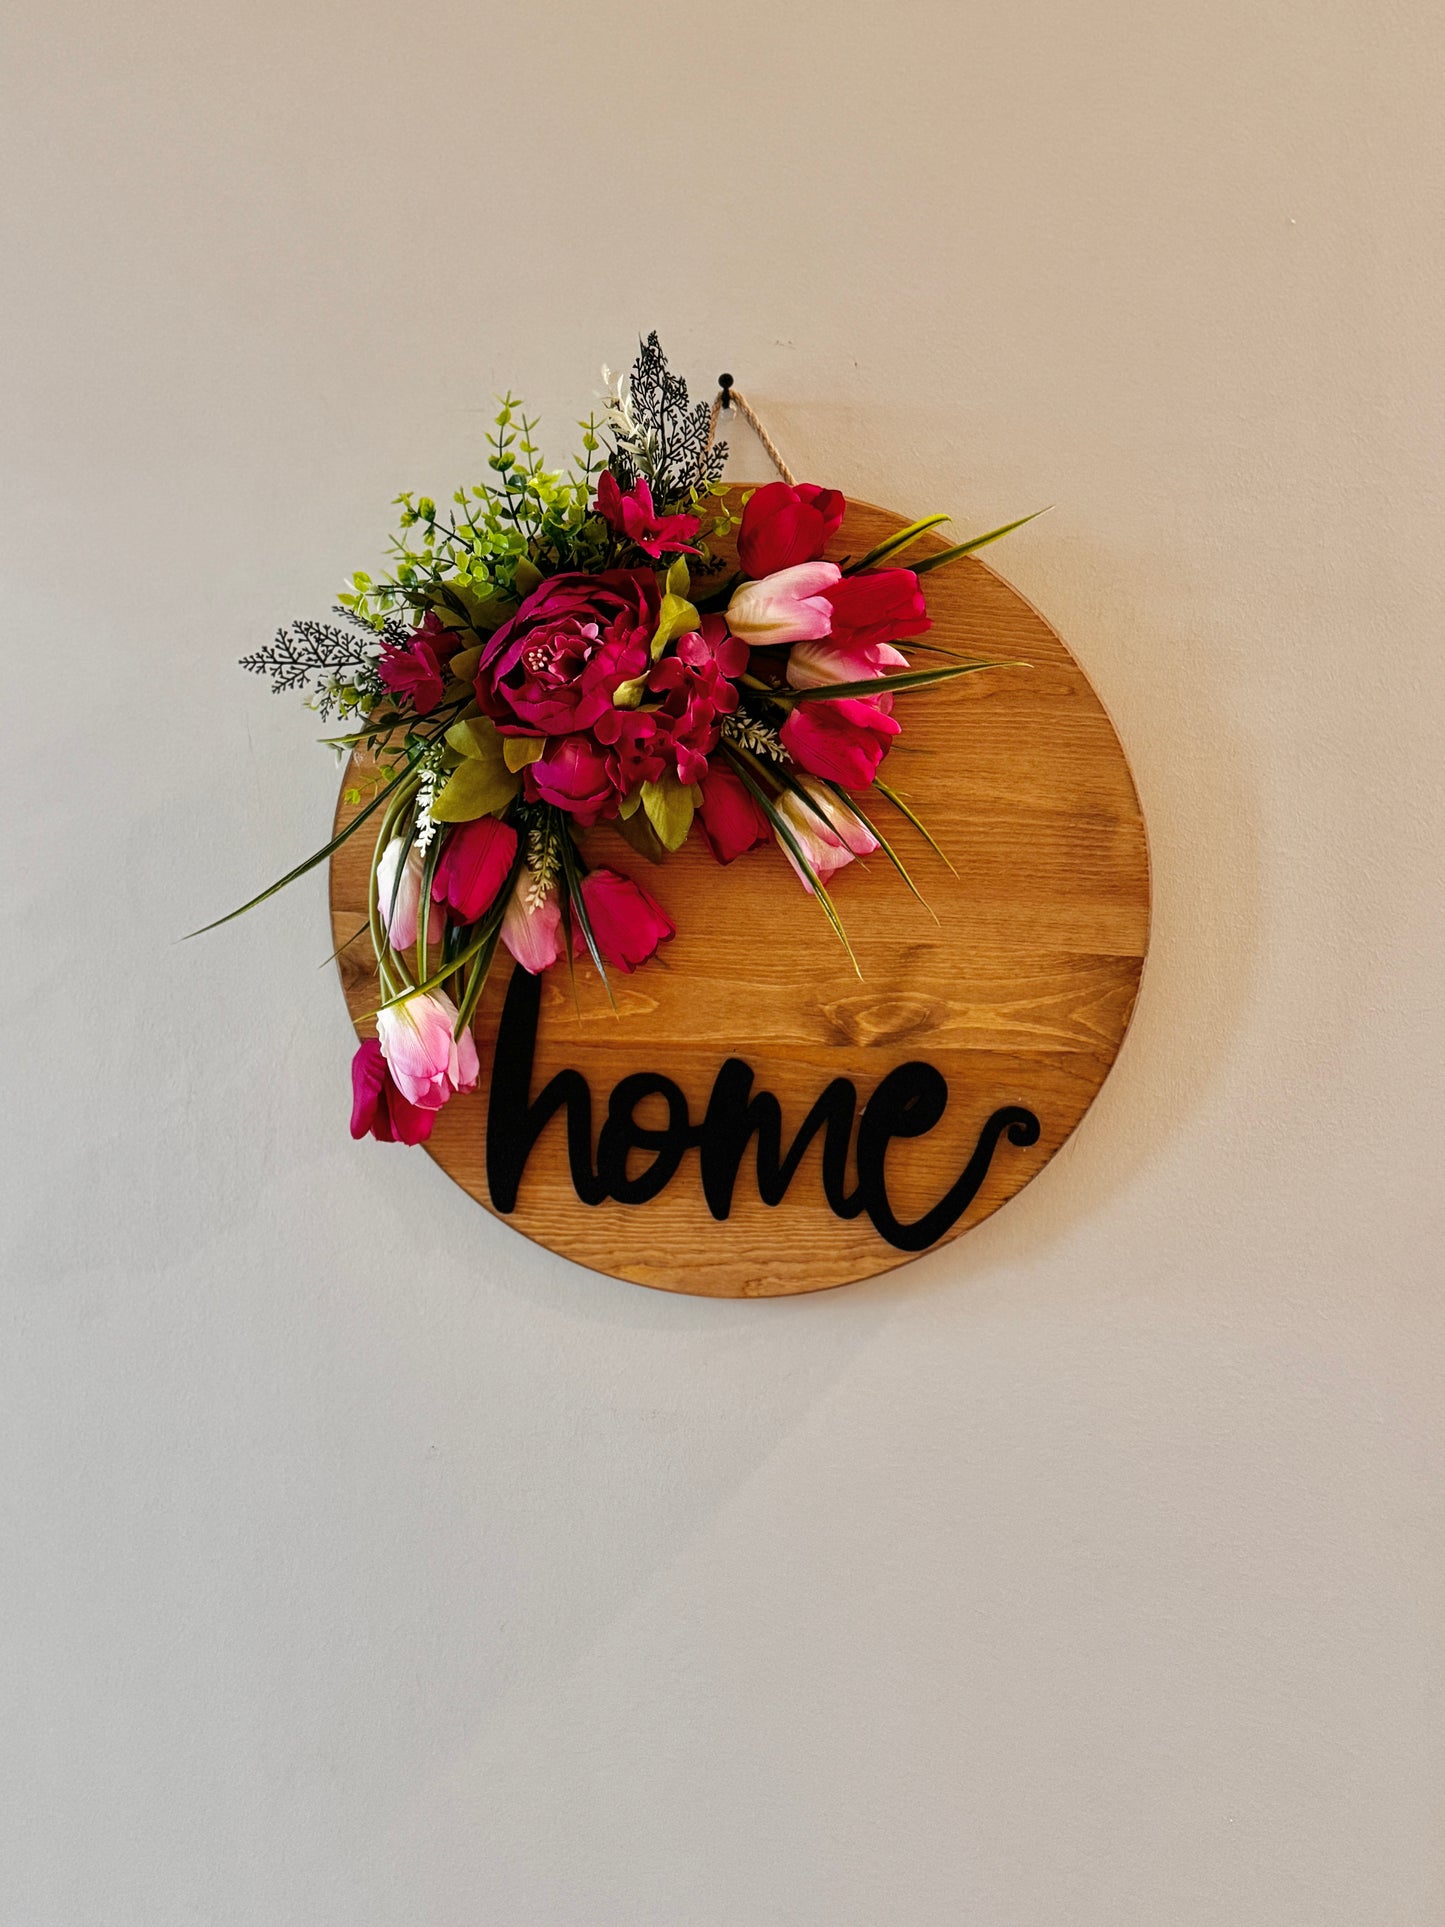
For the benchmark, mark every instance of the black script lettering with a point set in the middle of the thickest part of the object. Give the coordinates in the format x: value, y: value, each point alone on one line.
x: 734, y: 1114
x: 622, y: 1132
x: 908, y: 1103
x: 515, y: 1121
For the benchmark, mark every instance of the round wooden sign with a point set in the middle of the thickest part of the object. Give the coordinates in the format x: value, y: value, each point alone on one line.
x: 975, y: 1039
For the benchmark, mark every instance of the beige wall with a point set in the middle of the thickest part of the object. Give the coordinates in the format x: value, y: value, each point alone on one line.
x: 365, y: 1568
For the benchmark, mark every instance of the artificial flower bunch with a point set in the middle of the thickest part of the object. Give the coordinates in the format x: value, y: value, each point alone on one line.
x: 560, y: 651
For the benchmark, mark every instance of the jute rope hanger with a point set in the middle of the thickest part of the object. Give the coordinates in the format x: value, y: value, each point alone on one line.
x: 728, y: 398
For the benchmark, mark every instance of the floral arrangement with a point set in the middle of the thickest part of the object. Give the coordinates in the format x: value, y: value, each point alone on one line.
x: 561, y: 650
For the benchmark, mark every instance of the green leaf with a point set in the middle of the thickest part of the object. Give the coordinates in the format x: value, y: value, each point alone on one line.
x: 894, y: 543
x: 669, y: 807
x: 638, y: 831
x: 518, y: 751
x: 627, y: 695
x: 677, y: 581
x: 978, y: 542
x: 676, y: 617
x: 476, y: 789
x: 905, y: 679
x: 476, y: 737
x: 527, y: 578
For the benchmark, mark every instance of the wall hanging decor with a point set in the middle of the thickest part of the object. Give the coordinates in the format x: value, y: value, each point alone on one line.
x: 738, y: 891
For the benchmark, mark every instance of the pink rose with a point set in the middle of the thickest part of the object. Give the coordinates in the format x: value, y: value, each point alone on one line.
x: 378, y: 1107
x: 634, y: 518
x: 573, y: 774
x: 475, y: 862
x: 785, y: 524
x: 427, y: 1064
x: 827, y: 832
x: 554, y: 667
x: 843, y: 739
x: 627, y: 923
x: 731, y: 818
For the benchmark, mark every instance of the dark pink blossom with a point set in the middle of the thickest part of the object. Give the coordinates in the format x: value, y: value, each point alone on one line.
x: 475, y: 862
x: 413, y: 671
x: 573, y: 774
x: 634, y: 517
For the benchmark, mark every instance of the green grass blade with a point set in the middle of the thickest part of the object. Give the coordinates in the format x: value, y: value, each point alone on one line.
x: 978, y: 542
x: 905, y: 679
x: 893, y: 544
x: 785, y: 835
x: 898, y: 803
x: 311, y: 862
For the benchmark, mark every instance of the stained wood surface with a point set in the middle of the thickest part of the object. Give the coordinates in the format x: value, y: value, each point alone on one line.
x: 1020, y: 992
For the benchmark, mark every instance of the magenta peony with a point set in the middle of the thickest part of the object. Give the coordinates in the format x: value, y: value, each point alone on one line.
x: 554, y: 667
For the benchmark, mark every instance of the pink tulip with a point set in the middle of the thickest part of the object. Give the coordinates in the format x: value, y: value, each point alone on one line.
x: 842, y: 739
x: 530, y: 930
x: 810, y: 664
x: 627, y: 923
x: 427, y: 1063
x: 829, y: 840
x: 474, y: 864
x: 378, y: 1107
x: 400, y: 903
x: 789, y: 606
x: 731, y: 819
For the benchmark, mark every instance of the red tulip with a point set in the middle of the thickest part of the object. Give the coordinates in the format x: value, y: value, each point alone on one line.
x: 475, y: 862
x: 378, y: 1107
x: 627, y: 923
x: 783, y: 525
x: 878, y: 606
x: 842, y: 739
x: 731, y: 819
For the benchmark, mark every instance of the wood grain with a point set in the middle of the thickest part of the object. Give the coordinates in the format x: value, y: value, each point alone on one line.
x: 1020, y: 992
